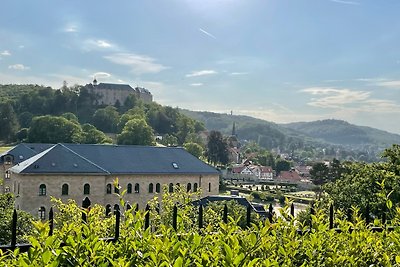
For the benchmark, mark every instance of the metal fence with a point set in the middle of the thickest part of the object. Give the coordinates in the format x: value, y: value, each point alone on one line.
x: 86, y: 204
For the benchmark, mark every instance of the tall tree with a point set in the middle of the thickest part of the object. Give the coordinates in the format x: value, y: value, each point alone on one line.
x: 136, y: 132
x: 106, y: 119
x: 51, y: 129
x: 217, y: 148
x: 194, y: 149
x: 8, y: 122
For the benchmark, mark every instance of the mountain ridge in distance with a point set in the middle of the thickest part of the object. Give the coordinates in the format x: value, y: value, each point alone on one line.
x: 329, y: 131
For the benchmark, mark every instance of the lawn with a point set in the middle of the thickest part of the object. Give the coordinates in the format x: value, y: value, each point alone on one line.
x: 4, y: 148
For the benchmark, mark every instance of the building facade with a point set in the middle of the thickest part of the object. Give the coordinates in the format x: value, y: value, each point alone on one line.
x: 111, y: 93
x: 74, y: 171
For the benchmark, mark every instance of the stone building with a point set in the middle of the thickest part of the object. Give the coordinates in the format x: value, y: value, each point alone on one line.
x: 111, y: 93
x: 76, y: 171
x: 14, y: 156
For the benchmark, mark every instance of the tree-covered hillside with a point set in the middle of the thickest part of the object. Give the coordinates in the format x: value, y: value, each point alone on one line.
x: 35, y: 113
x: 344, y: 133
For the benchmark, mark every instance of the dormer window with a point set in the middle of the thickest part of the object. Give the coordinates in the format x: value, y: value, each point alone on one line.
x: 175, y: 165
x: 8, y: 159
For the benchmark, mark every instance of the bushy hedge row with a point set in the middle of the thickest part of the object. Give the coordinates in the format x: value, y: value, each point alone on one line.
x: 218, y: 244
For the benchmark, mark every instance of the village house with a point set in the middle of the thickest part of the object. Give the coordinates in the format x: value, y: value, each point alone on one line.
x: 255, y: 173
x: 76, y: 171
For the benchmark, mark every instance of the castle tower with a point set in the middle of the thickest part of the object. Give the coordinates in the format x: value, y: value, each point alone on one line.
x: 94, y: 81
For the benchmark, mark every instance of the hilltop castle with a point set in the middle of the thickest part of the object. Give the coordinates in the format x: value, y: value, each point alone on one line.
x: 111, y: 93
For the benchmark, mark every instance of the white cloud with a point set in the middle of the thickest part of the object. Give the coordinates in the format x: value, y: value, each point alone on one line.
x: 207, y: 33
x: 201, y: 73
x: 345, y: 2
x: 100, y: 75
x: 71, y: 29
x: 334, y: 98
x: 138, y: 63
x: 5, y: 53
x: 196, y: 84
x: 238, y: 73
x: 390, y: 84
x: 98, y: 44
x: 18, y: 67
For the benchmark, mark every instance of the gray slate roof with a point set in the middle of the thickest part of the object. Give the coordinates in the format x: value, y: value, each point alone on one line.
x: 115, y: 86
x: 113, y: 159
x: 24, y: 151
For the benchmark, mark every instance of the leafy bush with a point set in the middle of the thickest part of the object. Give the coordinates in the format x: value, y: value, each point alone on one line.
x: 217, y: 244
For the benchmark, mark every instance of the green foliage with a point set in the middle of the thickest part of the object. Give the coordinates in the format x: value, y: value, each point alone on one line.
x: 218, y: 244
x: 24, y: 226
x: 282, y: 165
x: 93, y: 136
x: 194, y: 149
x: 136, y: 132
x: 52, y: 129
x: 106, y: 119
x: 217, y: 148
x: 9, y: 124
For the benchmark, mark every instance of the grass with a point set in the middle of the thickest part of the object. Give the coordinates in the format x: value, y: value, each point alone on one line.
x: 4, y: 148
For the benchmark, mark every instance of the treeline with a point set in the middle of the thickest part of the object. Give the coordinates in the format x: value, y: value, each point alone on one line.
x: 35, y: 113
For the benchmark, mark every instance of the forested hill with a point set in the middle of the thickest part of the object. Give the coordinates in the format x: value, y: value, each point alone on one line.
x: 344, y: 133
x: 269, y: 134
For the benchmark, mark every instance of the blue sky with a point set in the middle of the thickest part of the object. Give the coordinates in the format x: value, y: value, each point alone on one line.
x: 279, y: 60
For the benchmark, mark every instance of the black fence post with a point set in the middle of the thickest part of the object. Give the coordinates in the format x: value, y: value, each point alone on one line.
x: 200, y: 216
x: 292, y: 210
x: 85, y: 205
x: 147, y: 217
x: 270, y: 212
x: 331, y: 217
x: 225, y: 216
x: 117, y: 224
x: 350, y: 215
x: 175, y: 218
x: 248, y: 217
x: 14, y: 230
x: 51, y: 221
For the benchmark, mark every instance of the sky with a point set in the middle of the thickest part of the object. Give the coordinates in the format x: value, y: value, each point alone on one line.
x: 278, y: 60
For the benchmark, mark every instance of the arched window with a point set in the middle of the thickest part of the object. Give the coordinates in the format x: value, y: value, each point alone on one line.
x: 171, y: 188
x: 189, y: 187
x: 116, y: 189
x: 7, y: 175
x: 209, y: 187
x: 129, y: 188
x: 195, y: 187
x: 137, y: 188
x: 42, y: 213
x: 64, y: 190
x: 86, y: 189
x: 151, y: 188
x: 108, y: 189
x: 42, y: 190
x: 108, y: 210
x: 158, y: 188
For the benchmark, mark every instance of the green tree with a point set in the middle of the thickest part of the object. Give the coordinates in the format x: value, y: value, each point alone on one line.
x: 93, y: 136
x: 52, y: 129
x: 106, y: 119
x: 24, y: 222
x: 319, y: 173
x: 8, y: 122
x: 282, y: 165
x: 217, y: 148
x: 169, y: 140
x: 136, y: 132
x: 194, y: 149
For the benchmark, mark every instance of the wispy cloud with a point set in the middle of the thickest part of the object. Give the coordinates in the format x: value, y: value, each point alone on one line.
x: 345, y: 2
x: 98, y: 44
x: 201, y: 73
x: 390, y: 84
x: 196, y: 84
x: 71, y: 28
x: 101, y: 75
x: 5, y: 53
x: 138, y: 63
x: 18, y: 67
x: 207, y: 33
x: 238, y: 73
x: 326, y: 97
